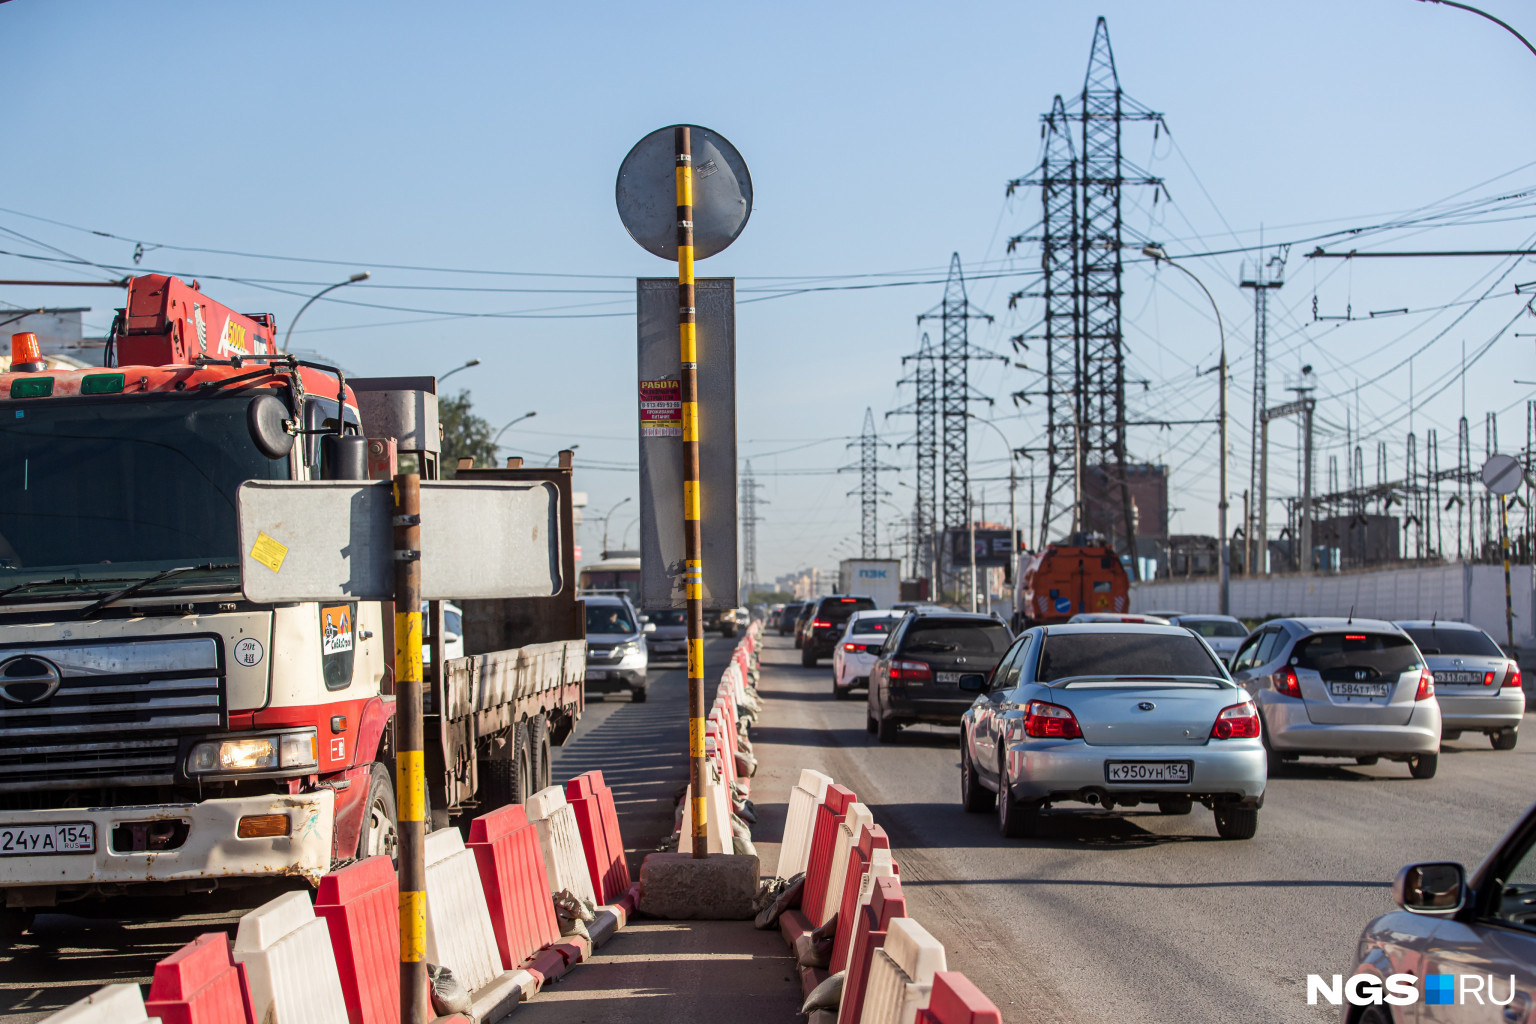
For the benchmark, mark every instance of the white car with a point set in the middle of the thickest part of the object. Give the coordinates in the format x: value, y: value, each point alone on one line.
x: 855, y: 652
x: 1223, y: 633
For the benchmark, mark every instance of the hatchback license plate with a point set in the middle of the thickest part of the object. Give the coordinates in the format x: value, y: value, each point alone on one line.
x: 947, y: 677
x: 30, y: 840
x: 1147, y: 771
x: 1359, y: 689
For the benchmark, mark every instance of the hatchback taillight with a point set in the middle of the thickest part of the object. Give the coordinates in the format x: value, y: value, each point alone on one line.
x: 852, y: 647
x: 1286, y: 683
x: 1426, y: 685
x: 1238, y: 722
x: 911, y: 672
x: 1513, y: 678
x: 1046, y: 721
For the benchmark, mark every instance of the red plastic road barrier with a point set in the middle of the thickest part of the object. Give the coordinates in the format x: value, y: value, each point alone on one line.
x: 956, y: 1001
x: 516, y: 887
x: 361, y: 907
x: 885, y: 904
x: 200, y: 983
x: 598, y: 822
x: 829, y: 815
x: 871, y: 838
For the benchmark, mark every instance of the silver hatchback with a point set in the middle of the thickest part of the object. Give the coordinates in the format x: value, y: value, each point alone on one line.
x: 1476, y: 683
x: 1355, y: 688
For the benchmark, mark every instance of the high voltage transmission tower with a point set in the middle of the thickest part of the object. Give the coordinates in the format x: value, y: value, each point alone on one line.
x: 1262, y: 275
x: 749, y: 520
x: 924, y: 408
x: 956, y: 394
x: 869, y: 491
x: 1082, y: 264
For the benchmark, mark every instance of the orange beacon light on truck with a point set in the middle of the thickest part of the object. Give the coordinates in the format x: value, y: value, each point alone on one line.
x: 26, y: 357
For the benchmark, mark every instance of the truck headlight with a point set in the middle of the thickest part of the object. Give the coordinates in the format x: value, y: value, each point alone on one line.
x: 254, y: 753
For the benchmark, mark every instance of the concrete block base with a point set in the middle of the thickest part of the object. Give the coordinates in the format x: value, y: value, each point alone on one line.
x: 719, y: 887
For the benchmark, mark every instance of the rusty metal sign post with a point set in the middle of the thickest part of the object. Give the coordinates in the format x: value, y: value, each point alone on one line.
x: 724, y: 205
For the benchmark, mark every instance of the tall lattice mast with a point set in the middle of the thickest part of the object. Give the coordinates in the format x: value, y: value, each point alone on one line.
x: 1261, y: 277
x: 869, y: 492
x: 749, y: 520
x: 924, y: 408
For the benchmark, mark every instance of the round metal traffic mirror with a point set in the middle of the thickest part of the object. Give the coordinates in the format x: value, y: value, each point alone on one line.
x: 646, y: 192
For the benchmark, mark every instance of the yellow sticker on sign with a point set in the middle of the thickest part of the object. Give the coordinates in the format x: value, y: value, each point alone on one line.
x: 269, y: 551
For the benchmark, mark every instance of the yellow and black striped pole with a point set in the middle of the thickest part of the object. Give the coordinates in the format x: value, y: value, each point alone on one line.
x: 1509, y: 604
x: 693, y: 529
x: 410, y: 775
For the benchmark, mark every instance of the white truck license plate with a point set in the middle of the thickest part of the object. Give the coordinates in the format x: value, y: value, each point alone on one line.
x: 1147, y: 771
x: 30, y: 840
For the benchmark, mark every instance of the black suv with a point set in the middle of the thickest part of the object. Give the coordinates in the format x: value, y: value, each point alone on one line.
x: 788, y: 617
x: 931, y: 668
x: 829, y: 617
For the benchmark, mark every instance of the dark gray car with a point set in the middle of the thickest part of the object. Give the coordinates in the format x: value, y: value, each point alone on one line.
x: 931, y: 668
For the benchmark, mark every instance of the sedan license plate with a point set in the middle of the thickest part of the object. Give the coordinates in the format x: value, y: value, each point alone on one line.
x: 31, y: 840
x: 1458, y: 677
x: 1147, y: 771
x: 946, y: 677
x: 1359, y: 689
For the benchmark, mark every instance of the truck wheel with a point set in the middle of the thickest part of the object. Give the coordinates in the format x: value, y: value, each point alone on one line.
x: 509, y: 779
x: 380, y: 834
x: 543, y: 770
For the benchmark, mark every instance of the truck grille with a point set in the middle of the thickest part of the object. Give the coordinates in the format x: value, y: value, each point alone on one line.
x: 105, y: 714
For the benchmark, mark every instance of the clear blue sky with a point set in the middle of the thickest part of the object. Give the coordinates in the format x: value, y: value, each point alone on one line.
x: 486, y: 136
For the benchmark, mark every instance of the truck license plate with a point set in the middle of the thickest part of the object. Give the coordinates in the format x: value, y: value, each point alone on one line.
x: 30, y: 840
x: 1147, y: 771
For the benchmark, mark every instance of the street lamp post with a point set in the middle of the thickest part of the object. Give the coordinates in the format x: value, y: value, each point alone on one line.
x: 1013, y: 485
x: 605, y: 524
x: 1502, y: 24
x: 361, y: 275
x: 503, y: 430
x: 473, y: 362
x: 1224, y: 543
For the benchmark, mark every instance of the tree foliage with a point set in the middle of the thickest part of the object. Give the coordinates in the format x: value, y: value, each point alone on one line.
x: 464, y: 433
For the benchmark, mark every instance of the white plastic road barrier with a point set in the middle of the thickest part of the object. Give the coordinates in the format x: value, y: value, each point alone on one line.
x: 717, y: 822
x: 115, y: 1004
x: 559, y: 838
x: 854, y: 822
x: 808, y: 793
x: 901, y: 974
x: 287, y: 954
x: 459, y: 933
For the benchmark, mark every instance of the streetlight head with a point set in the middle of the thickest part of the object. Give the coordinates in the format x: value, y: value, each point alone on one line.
x: 1153, y: 252
x: 529, y: 415
x: 473, y: 362
x: 361, y: 275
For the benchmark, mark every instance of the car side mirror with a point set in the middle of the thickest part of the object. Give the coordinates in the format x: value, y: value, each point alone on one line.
x: 1436, y: 889
x: 649, y: 627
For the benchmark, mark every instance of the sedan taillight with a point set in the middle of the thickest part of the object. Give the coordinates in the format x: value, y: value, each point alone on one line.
x: 911, y: 672
x: 1046, y: 721
x: 1426, y: 685
x: 852, y: 647
x: 1513, y: 678
x: 1286, y: 683
x: 1238, y: 722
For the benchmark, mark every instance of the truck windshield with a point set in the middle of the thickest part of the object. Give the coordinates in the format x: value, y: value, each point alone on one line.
x: 103, y: 491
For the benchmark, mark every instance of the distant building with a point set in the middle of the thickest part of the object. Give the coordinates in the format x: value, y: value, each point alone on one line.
x: 1360, y: 540
x: 1104, y: 509
x: 1192, y: 554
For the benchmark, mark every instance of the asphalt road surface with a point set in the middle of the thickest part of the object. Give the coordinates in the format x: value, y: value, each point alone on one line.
x: 1129, y: 915
x: 642, y: 749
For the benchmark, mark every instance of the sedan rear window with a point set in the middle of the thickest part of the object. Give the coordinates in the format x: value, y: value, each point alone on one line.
x: 1215, y: 627
x: 875, y: 624
x: 1387, y: 653
x: 1456, y: 641
x: 1123, y: 653
x: 968, y: 636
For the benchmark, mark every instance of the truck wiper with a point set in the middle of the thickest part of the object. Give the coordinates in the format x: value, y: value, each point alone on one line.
x: 164, y: 574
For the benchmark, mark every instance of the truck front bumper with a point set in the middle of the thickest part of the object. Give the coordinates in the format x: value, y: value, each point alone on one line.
x: 212, y: 848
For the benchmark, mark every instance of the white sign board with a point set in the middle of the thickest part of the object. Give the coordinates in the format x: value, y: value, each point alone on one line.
x: 333, y: 540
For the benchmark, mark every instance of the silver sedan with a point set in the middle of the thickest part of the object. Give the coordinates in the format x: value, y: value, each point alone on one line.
x: 1114, y: 715
x: 1476, y: 683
